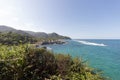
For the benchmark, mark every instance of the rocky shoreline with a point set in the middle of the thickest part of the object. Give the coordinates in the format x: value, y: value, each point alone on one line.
x: 49, y: 42
x: 52, y: 42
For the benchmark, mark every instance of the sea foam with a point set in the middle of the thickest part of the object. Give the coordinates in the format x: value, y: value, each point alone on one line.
x: 91, y: 43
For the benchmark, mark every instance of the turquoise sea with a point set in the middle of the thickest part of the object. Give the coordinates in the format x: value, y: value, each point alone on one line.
x: 100, y: 54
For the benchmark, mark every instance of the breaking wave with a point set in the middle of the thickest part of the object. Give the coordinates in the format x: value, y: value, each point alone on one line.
x: 91, y: 43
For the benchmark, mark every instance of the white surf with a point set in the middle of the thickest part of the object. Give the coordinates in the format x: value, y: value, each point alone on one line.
x: 91, y: 43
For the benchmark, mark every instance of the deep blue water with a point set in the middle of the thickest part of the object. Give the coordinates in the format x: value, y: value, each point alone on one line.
x: 101, y: 54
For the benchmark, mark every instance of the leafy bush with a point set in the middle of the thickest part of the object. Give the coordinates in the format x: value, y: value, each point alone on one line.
x: 28, y: 63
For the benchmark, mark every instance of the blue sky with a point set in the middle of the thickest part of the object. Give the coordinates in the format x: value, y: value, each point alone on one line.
x: 98, y: 19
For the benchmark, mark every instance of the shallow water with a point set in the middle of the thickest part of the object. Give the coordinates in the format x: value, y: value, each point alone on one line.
x: 101, y: 54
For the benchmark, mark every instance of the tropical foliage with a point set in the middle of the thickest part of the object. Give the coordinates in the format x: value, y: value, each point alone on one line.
x: 10, y: 38
x: 25, y: 62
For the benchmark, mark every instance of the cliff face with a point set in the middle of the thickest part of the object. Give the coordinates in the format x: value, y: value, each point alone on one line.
x: 34, y: 34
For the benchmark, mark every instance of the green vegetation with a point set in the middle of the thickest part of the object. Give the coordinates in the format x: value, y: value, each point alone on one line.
x: 25, y: 62
x: 40, y: 35
x: 10, y: 38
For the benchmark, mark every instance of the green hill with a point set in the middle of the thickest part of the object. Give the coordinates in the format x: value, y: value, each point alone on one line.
x: 34, y: 34
x: 11, y: 38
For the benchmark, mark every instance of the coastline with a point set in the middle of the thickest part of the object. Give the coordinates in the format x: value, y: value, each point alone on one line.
x: 43, y: 43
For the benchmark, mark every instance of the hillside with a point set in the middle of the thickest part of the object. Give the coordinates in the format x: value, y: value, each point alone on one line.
x: 31, y: 33
x: 11, y: 38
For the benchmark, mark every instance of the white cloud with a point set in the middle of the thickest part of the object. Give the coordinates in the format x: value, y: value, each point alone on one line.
x: 33, y: 27
x: 9, y: 16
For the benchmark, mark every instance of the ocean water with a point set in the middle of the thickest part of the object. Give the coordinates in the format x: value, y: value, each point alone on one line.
x: 100, y: 54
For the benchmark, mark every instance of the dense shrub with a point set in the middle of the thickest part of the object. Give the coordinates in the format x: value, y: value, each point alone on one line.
x: 28, y: 63
x: 63, y: 63
x: 11, y: 38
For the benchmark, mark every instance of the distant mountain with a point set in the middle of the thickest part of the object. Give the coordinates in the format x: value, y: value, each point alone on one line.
x: 31, y: 33
x: 9, y: 29
x: 55, y: 35
x: 38, y: 34
x: 6, y: 29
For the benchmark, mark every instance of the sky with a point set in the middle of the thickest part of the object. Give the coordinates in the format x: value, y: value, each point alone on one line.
x: 81, y: 19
